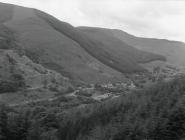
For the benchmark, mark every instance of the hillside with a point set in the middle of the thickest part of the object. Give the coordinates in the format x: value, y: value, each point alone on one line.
x: 61, y: 47
x: 107, y: 49
x: 118, y: 47
x: 173, y: 50
x: 156, y: 113
x: 59, y: 82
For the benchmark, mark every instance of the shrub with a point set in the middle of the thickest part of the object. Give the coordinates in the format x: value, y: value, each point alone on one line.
x: 15, y: 83
x: 8, y: 86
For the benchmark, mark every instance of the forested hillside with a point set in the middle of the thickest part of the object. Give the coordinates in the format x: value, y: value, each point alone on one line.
x: 156, y: 113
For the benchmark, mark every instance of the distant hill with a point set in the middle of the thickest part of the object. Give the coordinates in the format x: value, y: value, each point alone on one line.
x: 126, y: 53
x: 79, y: 55
x: 173, y: 50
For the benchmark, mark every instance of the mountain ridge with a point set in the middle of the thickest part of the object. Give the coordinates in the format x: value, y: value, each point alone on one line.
x: 72, y: 52
x: 172, y: 50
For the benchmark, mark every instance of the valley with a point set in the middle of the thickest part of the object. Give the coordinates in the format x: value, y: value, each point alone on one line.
x: 61, y: 82
x: 33, y: 64
x: 89, y: 93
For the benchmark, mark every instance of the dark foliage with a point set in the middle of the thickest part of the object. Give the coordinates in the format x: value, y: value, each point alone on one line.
x: 16, y: 83
x: 156, y: 113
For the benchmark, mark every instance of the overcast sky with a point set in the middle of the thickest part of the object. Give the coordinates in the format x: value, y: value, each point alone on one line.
x: 147, y: 18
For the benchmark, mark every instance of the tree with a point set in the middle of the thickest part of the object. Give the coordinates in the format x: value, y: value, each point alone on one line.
x: 3, y: 123
x: 35, y: 132
x: 18, y: 79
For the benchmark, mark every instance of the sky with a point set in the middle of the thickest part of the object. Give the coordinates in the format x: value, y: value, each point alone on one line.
x: 146, y: 18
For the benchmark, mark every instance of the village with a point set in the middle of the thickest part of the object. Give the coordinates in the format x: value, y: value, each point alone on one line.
x: 101, y: 92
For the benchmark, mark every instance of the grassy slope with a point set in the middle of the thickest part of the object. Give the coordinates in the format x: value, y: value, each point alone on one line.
x: 60, y: 46
x: 7, y: 38
x: 6, y: 12
x: 173, y: 50
x: 111, y: 51
x: 118, y: 47
x: 56, y: 51
x: 90, y: 45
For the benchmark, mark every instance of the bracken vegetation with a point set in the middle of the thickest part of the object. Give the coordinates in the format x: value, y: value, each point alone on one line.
x: 125, y: 59
x: 7, y: 38
x: 15, y: 83
x: 156, y: 113
x: 6, y: 12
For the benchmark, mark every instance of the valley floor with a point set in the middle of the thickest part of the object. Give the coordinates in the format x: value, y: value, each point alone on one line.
x: 91, y: 93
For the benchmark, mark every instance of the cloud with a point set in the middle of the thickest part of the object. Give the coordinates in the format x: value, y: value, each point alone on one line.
x: 66, y: 10
x: 160, y: 19
x: 147, y: 18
